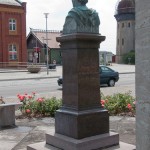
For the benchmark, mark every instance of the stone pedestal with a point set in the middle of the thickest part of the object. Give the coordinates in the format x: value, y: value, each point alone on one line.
x: 81, y: 123
x: 81, y: 110
x: 44, y: 146
x: 90, y: 143
x: 81, y: 120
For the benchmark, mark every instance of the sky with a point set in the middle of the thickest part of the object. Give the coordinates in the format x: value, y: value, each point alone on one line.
x: 58, y: 10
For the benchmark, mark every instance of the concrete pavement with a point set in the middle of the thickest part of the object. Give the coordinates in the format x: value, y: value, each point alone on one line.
x: 29, y: 131
x: 9, y: 74
x: 33, y: 130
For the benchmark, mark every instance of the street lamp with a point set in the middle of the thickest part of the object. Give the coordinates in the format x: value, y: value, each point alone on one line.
x: 46, y: 16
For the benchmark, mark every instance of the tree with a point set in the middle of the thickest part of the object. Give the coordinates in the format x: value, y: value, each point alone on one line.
x: 129, y: 58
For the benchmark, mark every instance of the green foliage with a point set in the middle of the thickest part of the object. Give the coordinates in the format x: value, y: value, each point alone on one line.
x: 52, y: 104
x: 119, y: 103
x: 35, y: 107
x: 129, y: 58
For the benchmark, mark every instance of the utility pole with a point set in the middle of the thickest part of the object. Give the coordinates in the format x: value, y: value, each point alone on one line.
x: 46, y: 16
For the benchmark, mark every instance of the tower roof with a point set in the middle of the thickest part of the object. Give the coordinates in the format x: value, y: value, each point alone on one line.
x: 11, y: 2
x: 125, y: 6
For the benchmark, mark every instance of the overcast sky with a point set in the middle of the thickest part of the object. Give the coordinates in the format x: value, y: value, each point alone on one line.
x: 58, y: 10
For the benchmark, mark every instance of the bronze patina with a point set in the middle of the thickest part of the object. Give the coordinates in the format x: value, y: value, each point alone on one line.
x: 81, y: 19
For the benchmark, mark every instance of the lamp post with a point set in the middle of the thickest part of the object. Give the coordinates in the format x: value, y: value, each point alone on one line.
x: 46, y: 16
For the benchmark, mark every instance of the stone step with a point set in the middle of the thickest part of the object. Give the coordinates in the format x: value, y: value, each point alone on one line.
x: 44, y: 146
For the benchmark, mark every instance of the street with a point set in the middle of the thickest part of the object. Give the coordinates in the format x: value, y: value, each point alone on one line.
x: 126, y: 83
x: 49, y: 87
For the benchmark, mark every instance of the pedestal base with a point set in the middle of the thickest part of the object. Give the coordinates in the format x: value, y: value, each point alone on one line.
x: 44, y: 146
x: 56, y: 141
x: 82, y: 124
x: 90, y: 143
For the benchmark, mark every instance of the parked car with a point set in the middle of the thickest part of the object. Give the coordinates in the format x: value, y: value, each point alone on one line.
x: 107, y: 76
x: 52, y: 66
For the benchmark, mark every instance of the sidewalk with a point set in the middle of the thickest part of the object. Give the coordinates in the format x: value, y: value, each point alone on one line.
x: 11, y: 74
x: 29, y: 131
x: 8, y: 75
x: 123, y: 69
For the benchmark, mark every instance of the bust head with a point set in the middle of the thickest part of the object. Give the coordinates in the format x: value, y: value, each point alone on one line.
x: 77, y: 3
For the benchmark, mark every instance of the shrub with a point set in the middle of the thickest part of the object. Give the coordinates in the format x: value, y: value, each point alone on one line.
x: 130, y: 55
x: 35, y: 107
x: 119, y: 104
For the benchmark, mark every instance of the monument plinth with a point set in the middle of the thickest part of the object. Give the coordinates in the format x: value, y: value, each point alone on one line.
x: 81, y: 110
x: 81, y: 119
x: 81, y: 123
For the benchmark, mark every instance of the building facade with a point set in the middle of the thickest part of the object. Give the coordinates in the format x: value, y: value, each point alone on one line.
x: 37, y: 46
x: 125, y: 17
x: 105, y: 58
x: 12, y: 32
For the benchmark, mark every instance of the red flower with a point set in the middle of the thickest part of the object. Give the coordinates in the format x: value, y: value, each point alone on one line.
x: 21, y: 97
x: 29, y: 97
x: 129, y: 106
x: 28, y: 110
x: 103, y: 102
x: 40, y: 100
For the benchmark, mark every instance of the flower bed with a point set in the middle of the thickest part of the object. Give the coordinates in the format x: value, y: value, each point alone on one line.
x: 38, y: 107
x: 119, y: 104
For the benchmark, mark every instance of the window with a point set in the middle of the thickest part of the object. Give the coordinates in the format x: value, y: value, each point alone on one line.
x: 12, y: 24
x: 12, y: 52
x: 105, y: 69
x: 122, y: 25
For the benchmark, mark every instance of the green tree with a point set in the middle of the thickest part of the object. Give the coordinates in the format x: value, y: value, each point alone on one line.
x: 129, y: 58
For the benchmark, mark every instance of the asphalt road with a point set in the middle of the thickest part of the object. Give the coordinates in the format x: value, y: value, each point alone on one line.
x: 49, y: 87
x: 125, y: 84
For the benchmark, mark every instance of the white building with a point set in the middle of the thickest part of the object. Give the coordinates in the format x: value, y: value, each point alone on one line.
x: 105, y: 57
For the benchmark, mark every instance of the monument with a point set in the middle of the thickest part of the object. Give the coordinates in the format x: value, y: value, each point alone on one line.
x: 81, y: 123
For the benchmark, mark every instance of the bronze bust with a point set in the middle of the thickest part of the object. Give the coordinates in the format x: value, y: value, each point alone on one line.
x: 81, y: 19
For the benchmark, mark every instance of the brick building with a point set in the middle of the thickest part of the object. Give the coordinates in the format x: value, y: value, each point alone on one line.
x: 12, y: 32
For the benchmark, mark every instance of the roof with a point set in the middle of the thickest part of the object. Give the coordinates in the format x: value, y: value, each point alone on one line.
x: 41, y: 36
x: 125, y: 6
x: 11, y: 2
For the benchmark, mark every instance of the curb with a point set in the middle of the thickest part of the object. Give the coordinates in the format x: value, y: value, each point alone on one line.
x: 38, y: 78
x: 127, y: 73
x: 13, y: 71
